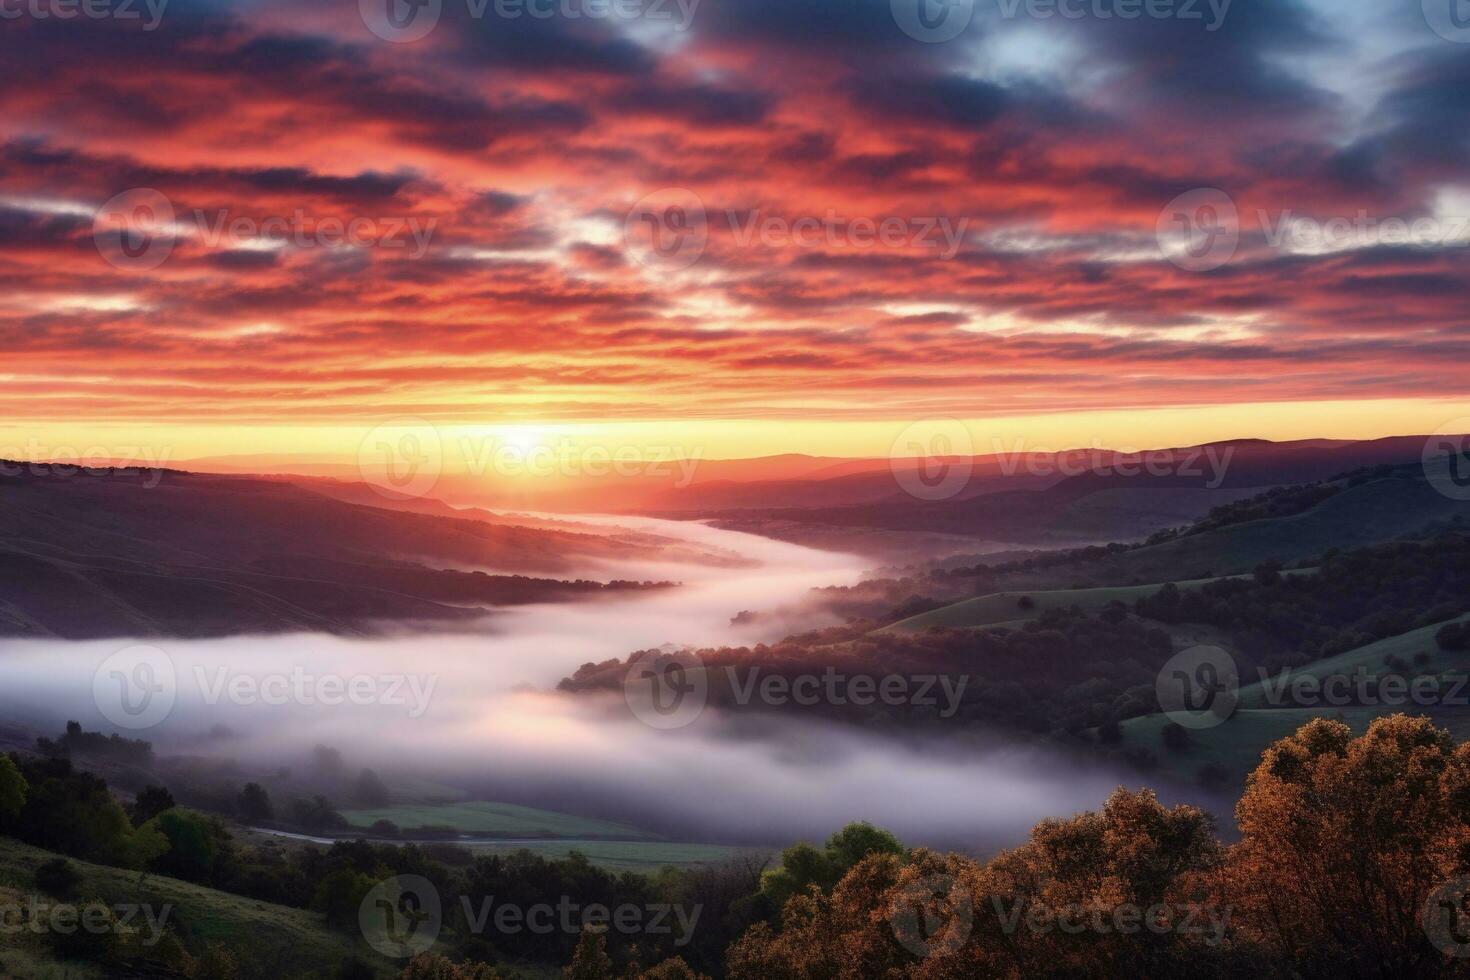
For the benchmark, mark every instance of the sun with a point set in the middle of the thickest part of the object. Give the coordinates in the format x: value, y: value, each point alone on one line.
x: 522, y: 438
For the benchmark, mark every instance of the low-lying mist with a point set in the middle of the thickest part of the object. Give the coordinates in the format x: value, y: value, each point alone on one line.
x: 478, y: 712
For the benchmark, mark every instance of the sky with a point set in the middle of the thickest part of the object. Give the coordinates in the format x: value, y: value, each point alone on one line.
x: 754, y: 225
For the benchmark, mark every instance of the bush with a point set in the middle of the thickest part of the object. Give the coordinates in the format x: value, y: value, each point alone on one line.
x: 58, y: 878
x: 1454, y: 636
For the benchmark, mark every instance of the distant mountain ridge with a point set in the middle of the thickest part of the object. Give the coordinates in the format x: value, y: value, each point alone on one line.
x: 94, y: 553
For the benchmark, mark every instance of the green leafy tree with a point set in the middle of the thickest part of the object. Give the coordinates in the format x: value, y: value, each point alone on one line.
x: 13, y: 788
x: 255, y: 803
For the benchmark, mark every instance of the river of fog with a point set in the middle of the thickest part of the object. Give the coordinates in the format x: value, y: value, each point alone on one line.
x: 477, y: 710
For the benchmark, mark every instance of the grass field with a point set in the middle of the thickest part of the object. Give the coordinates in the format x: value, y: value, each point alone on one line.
x: 1371, y: 513
x: 1003, y: 609
x: 270, y: 941
x: 1237, y: 744
x: 496, y: 819
x: 638, y: 856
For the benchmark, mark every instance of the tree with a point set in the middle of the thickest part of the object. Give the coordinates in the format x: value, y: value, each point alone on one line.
x: 804, y: 866
x: 432, y: 966
x: 13, y: 787
x: 1343, y: 840
x: 368, y: 790
x: 590, y: 962
x: 152, y: 801
x: 254, y: 804
x: 1453, y: 636
x: 199, y: 845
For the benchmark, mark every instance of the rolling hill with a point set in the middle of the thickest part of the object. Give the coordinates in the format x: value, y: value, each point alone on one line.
x: 96, y: 553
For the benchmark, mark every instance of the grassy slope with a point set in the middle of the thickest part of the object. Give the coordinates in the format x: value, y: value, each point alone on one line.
x: 1237, y: 744
x: 1370, y: 513
x: 270, y: 941
x: 498, y: 819
x: 641, y: 856
x: 1002, y: 609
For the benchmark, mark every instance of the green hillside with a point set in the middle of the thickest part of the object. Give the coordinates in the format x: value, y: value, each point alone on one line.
x: 269, y: 941
x: 1005, y: 608
x: 1236, y: 745
x: 496, y: 820
x: 1371, y: 513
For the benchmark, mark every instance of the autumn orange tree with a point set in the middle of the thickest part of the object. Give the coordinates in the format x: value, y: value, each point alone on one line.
x: 1344, y: 841
x: 1354, y: 861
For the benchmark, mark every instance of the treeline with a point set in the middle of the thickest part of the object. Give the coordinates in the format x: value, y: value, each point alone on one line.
x: 1355, y: 598
x: 1353, y: 861
x: 1351, y: 864
x: 51, y: 804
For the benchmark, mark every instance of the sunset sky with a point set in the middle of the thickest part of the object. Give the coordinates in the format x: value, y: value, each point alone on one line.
x: 500, y: 174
